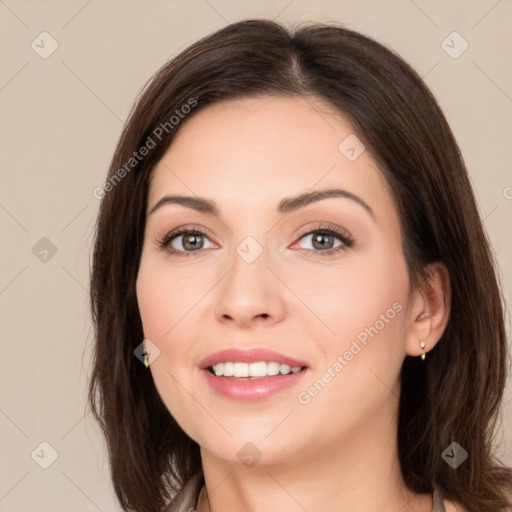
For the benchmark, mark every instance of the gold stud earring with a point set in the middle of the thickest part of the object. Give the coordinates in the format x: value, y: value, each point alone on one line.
x: 146, y: 360
x: 422, y: 345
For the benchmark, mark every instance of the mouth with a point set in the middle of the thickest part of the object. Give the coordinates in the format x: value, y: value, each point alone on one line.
x: 252, y: 388
x: 252, y: 374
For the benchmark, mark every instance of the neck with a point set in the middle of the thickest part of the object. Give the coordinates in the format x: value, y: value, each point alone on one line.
x: 360, y: 472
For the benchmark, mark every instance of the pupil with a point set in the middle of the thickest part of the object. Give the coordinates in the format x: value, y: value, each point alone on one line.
x: 318, y: 238
x: 196, y: 242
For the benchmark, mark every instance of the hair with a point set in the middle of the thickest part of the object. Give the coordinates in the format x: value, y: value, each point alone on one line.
x: 455, y: 395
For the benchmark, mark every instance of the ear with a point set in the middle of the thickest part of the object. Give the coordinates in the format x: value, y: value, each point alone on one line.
x: 430, y: 310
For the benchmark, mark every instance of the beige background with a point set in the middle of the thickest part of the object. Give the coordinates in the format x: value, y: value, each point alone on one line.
x: 61, y: 118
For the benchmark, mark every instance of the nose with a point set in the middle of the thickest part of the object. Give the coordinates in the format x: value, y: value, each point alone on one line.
x: 250, y: 294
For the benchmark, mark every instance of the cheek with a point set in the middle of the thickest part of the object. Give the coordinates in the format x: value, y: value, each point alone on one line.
x: 162, y: 305
x: 164, y: 296
x: 351, y: 297
x: 155, y: 302
x: 365, y: 306
x: 360, y: 364
x: 167, y: 312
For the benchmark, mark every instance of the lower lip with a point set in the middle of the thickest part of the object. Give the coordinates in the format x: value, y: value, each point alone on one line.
x: 252, y: 390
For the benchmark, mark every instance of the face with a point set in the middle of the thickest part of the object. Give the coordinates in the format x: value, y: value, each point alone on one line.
x: 322, y: 282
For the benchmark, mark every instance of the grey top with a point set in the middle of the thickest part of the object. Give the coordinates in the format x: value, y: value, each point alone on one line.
x: 186, y: 500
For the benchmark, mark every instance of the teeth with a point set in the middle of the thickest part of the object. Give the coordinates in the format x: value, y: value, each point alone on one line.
x: 273, y: 368
x: 259, y: 369
x: 228, y: 369
x: 240, y: 370
x: 284, y: 369
x: 256, y: 369
x: 218, y: 369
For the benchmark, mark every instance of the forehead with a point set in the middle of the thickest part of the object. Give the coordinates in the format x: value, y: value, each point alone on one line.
x: 254, y: 151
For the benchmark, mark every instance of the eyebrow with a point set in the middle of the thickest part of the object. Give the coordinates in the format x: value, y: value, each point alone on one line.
x: 284, y: 206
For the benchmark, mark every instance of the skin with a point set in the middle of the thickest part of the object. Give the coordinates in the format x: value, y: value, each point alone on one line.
x: 338, y: 451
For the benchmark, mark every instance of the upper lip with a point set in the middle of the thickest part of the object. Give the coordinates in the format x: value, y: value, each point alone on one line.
x: 253, y: 355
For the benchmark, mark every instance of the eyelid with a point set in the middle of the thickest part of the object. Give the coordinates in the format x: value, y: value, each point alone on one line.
x: 324, y: 226
x: 165, y: 240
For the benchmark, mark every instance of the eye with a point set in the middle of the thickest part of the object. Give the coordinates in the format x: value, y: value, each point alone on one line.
x: 323, y: 240
x: 184, y: 242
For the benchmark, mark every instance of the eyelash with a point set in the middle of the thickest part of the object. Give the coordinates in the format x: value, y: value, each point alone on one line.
x: 346, y: 241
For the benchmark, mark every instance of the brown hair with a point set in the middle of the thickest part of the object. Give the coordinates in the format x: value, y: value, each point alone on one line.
x: 454, y: 396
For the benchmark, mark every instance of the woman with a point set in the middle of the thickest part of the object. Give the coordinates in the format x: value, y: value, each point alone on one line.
x: 289, y: 241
